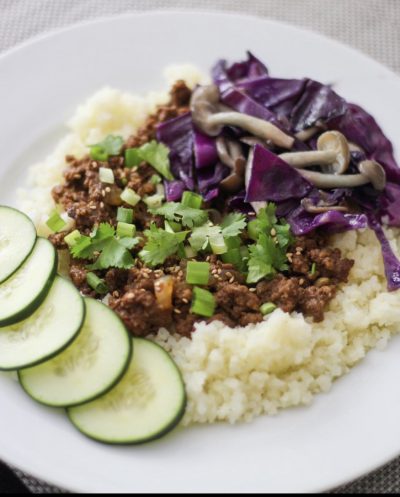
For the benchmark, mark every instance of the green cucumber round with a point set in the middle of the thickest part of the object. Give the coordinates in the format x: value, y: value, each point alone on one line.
x: 23, y: 292
x: 17, y: 239
x: 51, y: 328
x: 147, y: 403
x: 88, y: 368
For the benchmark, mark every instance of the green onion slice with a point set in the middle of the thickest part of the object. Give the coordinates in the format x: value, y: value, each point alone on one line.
x: 125, y: 215
x: 126, y: 230
x: 203, y: 302
x: 106, y: 175
x: 190, y: 199
x: 130, y: 197
x: 267, y: 308
x: 55, y: 222
x: 197, y: 273
x: 72, y: 238
x: 98, y: 285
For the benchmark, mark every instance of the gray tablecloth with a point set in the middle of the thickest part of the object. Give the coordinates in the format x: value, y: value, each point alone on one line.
x: 372, y: 26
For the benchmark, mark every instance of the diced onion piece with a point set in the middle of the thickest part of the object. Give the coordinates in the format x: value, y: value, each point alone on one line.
x: 163, y: 288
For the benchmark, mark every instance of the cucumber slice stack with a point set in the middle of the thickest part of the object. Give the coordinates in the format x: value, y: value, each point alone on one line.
x: 75, y: 352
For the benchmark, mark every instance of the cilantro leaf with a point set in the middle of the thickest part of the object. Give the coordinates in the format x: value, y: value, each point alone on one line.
x: 265, y: 257
x: 233, y: 224
x: 156, y: 154
x: 160, y: 245
x: 111, y: 145
x: 284, y: 234
x: 203, y: 235
x: 105, y: 248
x: 179, y: 213
x: 113, y: 255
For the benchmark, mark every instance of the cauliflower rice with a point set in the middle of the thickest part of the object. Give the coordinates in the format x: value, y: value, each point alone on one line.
x: 237, y: 374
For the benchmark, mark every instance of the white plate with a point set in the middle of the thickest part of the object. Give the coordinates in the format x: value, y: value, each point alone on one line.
x: 342, y: 435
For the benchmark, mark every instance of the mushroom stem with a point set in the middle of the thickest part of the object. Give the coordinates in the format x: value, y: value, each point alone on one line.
x: 319, y: 209
x: 308, y: 133
x: 321, y: 180
x: 307, y: 159
x: 258, y: 127
x: 228, y: 151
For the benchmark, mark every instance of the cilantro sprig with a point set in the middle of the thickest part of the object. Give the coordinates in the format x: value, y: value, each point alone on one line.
x: 156, y: 154
x: 273, y: 237
x: 160, y: 245
x: 179, y: 213
x: 111, y: 145
x: 105, y: 248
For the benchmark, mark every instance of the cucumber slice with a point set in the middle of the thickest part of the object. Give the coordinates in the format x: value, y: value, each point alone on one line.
x: 47, y: 331
x: 23, y: 292
x: 17, y: 239
x: 90, y: 366
x: 149, y: 401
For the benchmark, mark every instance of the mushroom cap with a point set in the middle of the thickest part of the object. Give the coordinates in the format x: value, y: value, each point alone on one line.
x: 203, y: 103
x: 374, y: 172
x: 334, y: 141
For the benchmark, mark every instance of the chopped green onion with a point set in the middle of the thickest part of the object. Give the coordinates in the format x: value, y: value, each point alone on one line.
x: 126, y: 230
x: 190, y: 199
x: 233, y: 242
x: 253, y: 229
x: 197, y: 273
x: 98, y: 285
x: 160, y: 190
x: 154, y: 201
x: 203, y: 302
x: 72, y: 238
x: 217, y: 244
x: 155, y: 179
x: 189, y: 252
x: 313, y: 269
x: 98, y: 152
x: 55, y: 222
x: 125, y: 215
x: 106, y: 175
x: 130, y: 197
x: 267, y: 308
x: 132, y: 157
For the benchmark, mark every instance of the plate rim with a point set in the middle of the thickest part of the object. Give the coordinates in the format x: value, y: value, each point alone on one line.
x: 70, y: 27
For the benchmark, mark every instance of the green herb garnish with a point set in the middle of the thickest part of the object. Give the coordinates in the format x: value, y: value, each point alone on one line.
x: 160, y: 245
x: 156, y: 154
x: 179, y: 213
x: 111, y: 145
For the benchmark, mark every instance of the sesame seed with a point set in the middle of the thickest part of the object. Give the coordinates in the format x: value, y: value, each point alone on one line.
x: 93, y: 207
x: 107, y: 189
x: 228, y: 274
x: 301, y: 281
x: 232, y: 279
x: 116, y: 294
x: 102, y: 205
x: 214, y: 271
x: 177, y: 311
x: 103, y: 192
x: 208, y: 258
x: 219, y: 271
x: 146, y: 276
x: 185, y: 301
x: 273, y: 232
x: 252, y: 289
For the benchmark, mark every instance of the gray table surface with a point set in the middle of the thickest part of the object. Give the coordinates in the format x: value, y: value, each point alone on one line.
x: 372, y: 26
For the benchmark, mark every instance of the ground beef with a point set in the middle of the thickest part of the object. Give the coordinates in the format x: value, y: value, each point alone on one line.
x: 314, y: 273
x: 239, y: 303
